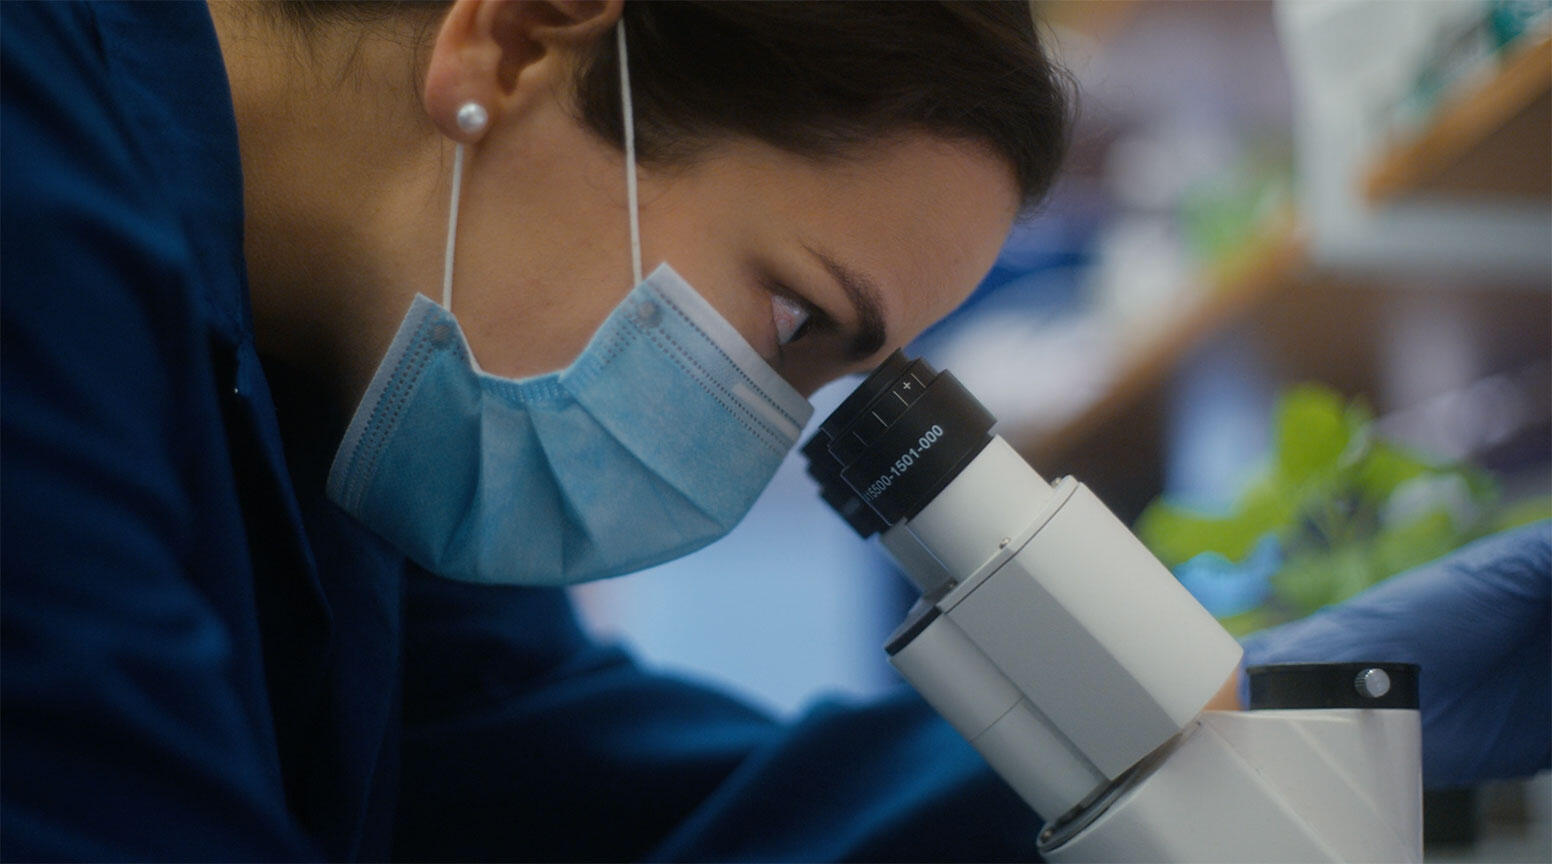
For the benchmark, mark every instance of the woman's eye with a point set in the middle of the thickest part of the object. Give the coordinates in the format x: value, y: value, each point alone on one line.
x: 791, y: 317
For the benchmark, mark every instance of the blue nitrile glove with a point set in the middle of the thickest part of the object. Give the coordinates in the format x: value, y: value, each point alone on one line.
x: 1477, y: 623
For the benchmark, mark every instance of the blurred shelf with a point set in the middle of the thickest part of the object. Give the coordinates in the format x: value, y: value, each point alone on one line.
x: 1308, y: 324
x: 1493, y: 138
x: 1237, y: 285
x: 1354, y: 332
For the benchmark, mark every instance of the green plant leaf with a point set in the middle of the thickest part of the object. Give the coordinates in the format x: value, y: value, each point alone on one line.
x: 1348, y: 509
x: 1305, y: 583
x: 1312, y: 432
x: 1421, y: 539
x: 1177, y: 535
x: 1384, y: 468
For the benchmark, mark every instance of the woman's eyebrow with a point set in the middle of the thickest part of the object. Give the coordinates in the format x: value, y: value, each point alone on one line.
x: 870, y: 332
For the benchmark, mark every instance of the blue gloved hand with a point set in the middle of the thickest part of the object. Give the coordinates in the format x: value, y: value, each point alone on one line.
x: 1477, y: 622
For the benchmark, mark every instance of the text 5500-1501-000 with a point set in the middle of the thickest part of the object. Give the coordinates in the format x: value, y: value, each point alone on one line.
x: 904, y: 463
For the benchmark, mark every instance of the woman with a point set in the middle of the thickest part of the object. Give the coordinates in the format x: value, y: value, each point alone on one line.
x: 235, y: 440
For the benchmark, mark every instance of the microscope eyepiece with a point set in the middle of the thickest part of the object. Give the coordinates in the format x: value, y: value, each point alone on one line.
x: 895, y: 443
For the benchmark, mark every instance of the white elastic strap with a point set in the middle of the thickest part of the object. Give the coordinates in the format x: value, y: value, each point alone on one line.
x: 630, y: 182
x: 452, y: 230
x: 630, y: 151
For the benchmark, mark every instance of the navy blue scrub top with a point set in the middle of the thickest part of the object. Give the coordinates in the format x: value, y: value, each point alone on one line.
x: 204, y: 659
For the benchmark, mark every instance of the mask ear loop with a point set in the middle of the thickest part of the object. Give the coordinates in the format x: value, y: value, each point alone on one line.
x: 452, y: 229
x: 630, y: 150
x: 629, y: 119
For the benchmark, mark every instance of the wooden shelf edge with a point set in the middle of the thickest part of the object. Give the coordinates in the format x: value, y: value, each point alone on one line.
x: 1463, y: 121
x: 1264, y: 268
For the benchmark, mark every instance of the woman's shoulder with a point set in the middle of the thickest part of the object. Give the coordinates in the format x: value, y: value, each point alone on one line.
x: 120, y: 141
x: 113, y: 294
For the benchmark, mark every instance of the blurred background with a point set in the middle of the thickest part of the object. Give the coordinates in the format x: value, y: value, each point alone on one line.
x: 1289, y: 313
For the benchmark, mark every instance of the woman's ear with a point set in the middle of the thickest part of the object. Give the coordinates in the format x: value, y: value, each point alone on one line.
x: 505, y: 54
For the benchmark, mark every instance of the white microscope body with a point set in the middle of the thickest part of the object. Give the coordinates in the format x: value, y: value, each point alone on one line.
x: 1076, y: 664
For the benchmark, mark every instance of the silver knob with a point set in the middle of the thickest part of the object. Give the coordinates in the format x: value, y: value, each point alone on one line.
x: 1372, y: 683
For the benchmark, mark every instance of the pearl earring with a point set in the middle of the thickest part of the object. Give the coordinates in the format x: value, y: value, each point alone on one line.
x: 472, y: 118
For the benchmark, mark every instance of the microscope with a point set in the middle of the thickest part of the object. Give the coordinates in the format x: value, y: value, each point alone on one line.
x: 1073, y: 661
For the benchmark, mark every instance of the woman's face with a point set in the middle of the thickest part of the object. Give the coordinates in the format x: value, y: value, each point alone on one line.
x: 872, y: 247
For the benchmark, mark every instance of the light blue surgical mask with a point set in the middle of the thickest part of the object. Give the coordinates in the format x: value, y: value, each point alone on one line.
x: 653, y: 443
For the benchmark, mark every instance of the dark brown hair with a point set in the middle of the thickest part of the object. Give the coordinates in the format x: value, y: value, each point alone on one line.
x: 820, y: 78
